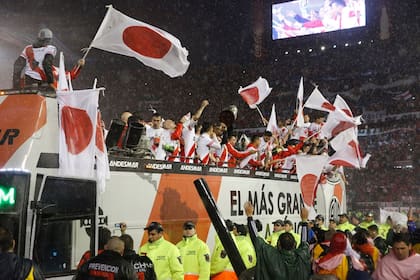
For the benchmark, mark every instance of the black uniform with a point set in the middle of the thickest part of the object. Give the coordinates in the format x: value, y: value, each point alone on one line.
x: 107, y: 265
x: 14, y: 268
x: 143, y: 266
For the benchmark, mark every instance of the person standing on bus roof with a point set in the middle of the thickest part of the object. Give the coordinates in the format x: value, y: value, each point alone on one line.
x: 164, y: 255
x: 195, y: 254
x: 36, y: 62
x: 11, y: 266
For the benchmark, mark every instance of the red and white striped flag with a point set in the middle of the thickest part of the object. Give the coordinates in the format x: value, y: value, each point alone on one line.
x: 77, y: 120
x: 406, y: 95
x: 309, y: 169
x: 317, y: 101
x: 255, y: 93
x: 154, y: 47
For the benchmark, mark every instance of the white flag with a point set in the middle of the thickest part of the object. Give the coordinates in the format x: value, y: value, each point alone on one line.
x: 154, y: 47
x: 62, y: 79
x: 102, y: 164
x: 299, y: 118
x: 77, y: 119
x: 309, y: 169
x: 255, y: 93
x: 339, y: 120
x: 346, y: 138
x: 317, y: 101
x: 347, y: 156
x: 272, y: 122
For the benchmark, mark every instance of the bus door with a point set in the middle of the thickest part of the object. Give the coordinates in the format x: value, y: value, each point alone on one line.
x: 60, y: 239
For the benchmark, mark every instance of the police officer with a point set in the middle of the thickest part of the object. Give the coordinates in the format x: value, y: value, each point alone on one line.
x: 344, y: 223
x: 11, y: 266
x: 35, y: 63
x: 195, y: 254
x: 220, y: 266
x: 367, y: 221
x: 319, y: 222
x: 245, y: 246
x: 143, y: 266
x: 108, y: 265
x: 278, y: 229
x: 164, y: 255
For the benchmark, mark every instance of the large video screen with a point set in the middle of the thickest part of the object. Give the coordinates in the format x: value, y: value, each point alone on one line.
x: 305, y: 17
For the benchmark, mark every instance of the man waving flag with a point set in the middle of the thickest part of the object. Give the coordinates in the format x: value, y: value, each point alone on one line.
x: 154, y: 47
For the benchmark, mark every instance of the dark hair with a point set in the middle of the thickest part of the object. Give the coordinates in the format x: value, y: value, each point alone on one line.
x: 360, y: 237
x: 373, y: 228
x: 254, y: 137
x: 268, y: 133
x: 286, y: 241
x: 401, y: 237
x: 258, y: 225
x: 206, y: 127
x: 229, y: 224
x: 6, y: 239
x: 128, y: 241
x: 156, y: 115
x: 104, y: 237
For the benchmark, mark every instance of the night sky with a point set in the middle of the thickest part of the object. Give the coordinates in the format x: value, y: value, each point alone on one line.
x: 216, y: 33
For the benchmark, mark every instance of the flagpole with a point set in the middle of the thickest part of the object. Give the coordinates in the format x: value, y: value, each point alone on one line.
x: 90, y: 45
x: 261, y: 115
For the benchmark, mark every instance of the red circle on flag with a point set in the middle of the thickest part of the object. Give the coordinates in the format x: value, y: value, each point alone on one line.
x: 146, y: 41
x: 250, y: 95
x: 307, y: 186
x: 78, y: 129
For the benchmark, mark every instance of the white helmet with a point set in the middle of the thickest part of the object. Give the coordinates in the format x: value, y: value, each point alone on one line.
x: 44, y: 34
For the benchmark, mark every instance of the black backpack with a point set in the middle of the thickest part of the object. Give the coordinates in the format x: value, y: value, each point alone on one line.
x: 368, y: 261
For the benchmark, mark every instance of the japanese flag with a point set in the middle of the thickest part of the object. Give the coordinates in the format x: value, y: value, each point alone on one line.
x: 309, y: 169
x: 255, y: 93
x: 154, y: 47
x: 77, y: 120
x: 317, y: 101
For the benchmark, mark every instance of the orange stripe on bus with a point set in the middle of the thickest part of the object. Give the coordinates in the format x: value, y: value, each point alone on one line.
x: 178, y: 201
x: 27, y: 114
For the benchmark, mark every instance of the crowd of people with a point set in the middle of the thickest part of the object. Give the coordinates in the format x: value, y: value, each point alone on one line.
x: 346, y: 248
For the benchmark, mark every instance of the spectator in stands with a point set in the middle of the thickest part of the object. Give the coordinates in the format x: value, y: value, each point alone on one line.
x: 12, y: 266
x: 155, y: 133
x: 401, y: 262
